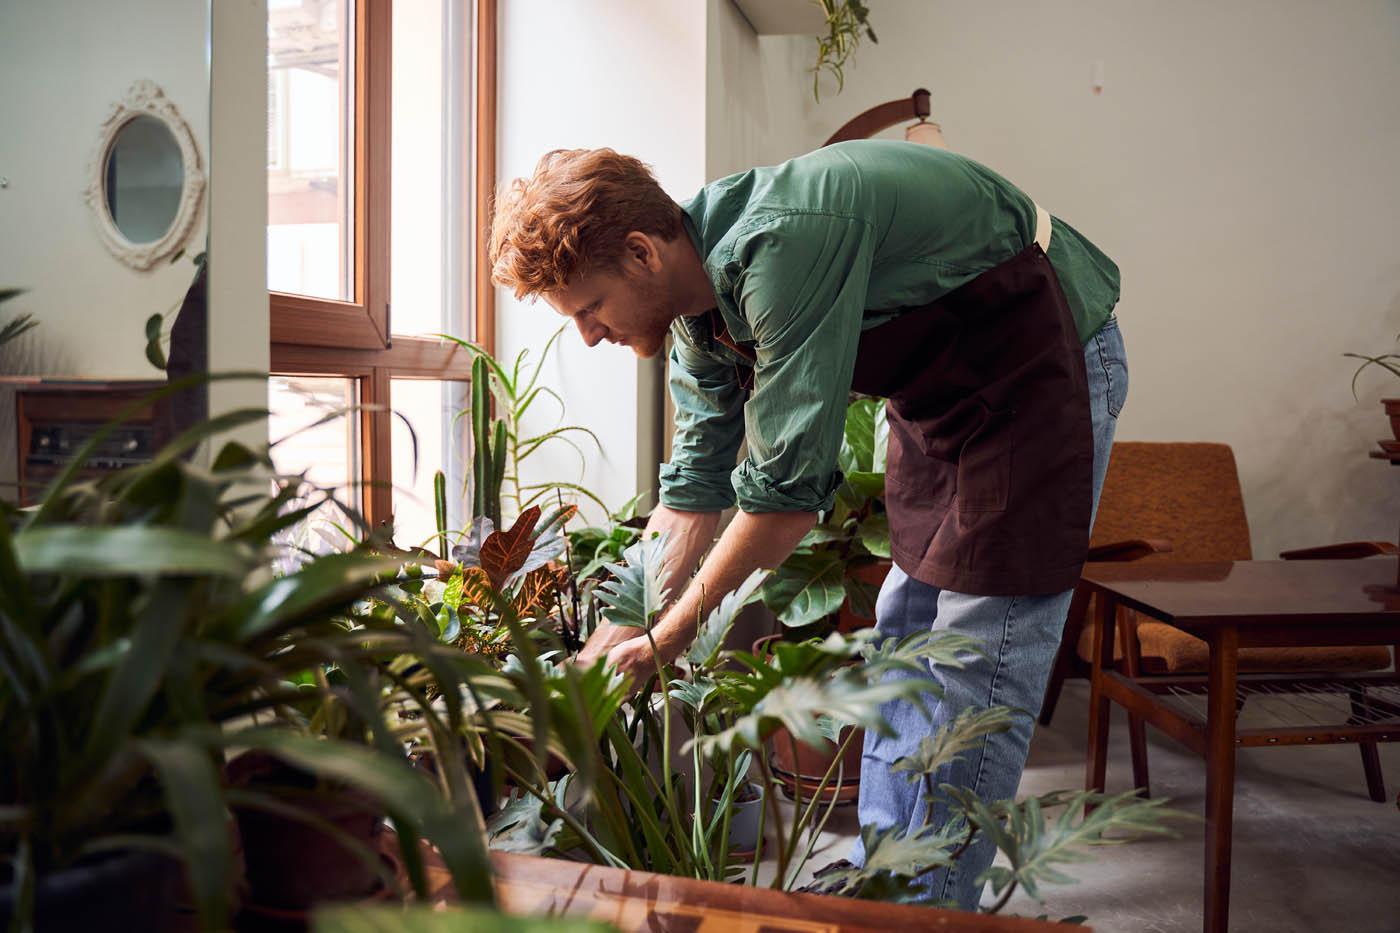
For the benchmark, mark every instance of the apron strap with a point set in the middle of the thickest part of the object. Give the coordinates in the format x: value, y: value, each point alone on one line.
x: 1042, y: 228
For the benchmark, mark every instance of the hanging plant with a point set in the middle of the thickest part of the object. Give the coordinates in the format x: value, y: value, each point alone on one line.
x: 846, y: 22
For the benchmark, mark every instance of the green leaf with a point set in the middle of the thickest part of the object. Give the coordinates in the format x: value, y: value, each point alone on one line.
x: 194, y: 794
x: 858, y: 438
x: 636, y: 593
x: 969, y: 730
x: 520, y: 826
x: 710, y: 638
x: 126, y: 550
x: 406, y: 793
x: 806, y: 588
x: 874, y: 533
x: 322, y: 586
x: 1035, y: 849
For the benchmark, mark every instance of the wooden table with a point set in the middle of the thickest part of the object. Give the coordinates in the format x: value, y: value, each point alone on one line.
x: 1233, y: 606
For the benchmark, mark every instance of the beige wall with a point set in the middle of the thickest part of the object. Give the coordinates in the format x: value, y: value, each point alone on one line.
x: 1239, y: 165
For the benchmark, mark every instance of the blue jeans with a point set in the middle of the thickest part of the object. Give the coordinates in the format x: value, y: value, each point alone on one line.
x: 1020, y: 636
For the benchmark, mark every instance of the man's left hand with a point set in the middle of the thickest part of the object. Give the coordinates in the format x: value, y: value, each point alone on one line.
x: 634, y: 658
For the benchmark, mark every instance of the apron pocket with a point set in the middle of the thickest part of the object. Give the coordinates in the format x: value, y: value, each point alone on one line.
x: 984, y: 468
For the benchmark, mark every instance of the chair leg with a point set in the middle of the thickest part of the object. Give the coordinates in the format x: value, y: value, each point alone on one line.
x: 1137, y: 733
x: 1064, y: 658
x: 1370, y: 755
x: 1371, y: 764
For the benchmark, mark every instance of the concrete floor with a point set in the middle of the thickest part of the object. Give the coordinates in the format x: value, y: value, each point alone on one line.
x: 1312, y: 852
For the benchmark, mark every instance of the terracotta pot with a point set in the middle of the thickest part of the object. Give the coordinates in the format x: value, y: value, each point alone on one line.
x: 811, y: 763
x: 292, y: 865
x: 1392, y: 408
x: 848, y: 621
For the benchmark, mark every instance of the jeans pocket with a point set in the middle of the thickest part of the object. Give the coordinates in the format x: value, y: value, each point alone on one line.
x: 1113, y: 366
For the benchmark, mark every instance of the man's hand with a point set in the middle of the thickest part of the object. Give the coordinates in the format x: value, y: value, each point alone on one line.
x: 633, y: 657
x: 604, y: 638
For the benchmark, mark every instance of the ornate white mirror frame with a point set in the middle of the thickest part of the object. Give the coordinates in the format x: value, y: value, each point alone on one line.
x: 145, y: 98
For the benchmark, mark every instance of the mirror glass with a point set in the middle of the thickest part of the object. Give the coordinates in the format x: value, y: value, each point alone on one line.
x: 145, y: 175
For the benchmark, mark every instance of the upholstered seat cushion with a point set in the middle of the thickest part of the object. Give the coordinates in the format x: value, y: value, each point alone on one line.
x: 1166, y: 649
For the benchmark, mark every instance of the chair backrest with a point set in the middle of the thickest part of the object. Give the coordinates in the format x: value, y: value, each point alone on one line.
x: 1187, y: 493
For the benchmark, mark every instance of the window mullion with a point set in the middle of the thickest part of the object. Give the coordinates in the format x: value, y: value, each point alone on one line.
x: 376, y: 451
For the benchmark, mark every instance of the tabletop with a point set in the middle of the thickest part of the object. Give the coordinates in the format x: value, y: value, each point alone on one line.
x: 1273, y: 592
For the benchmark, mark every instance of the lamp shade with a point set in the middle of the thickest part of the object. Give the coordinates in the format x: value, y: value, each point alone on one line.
x: 930, y: 134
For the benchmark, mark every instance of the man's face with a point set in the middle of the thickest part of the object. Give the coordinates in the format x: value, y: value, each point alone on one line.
x: 622, y: 306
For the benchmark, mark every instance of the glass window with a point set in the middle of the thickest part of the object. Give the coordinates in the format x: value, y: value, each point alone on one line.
x: 425, y: 171
x: 316, y: 433
x: 432, y: 409
x: 311, y: 146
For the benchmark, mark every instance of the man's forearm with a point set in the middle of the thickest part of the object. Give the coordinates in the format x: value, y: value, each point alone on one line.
x: 752, y: 541
x: 689, y: 535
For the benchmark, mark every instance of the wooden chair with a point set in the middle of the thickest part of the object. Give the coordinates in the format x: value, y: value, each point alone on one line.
x: 1182, y: 502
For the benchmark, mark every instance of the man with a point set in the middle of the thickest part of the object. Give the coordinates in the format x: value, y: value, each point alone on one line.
x: 896, y: 270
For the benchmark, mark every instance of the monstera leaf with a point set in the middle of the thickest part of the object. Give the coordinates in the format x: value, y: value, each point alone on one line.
x: 636, y: 593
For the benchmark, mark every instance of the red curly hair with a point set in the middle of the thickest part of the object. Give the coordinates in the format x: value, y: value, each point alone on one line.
x: 571, y: 216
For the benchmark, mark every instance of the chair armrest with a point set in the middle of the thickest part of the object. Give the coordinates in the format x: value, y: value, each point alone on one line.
x: 1345, y: 551
x: 1129, y: 549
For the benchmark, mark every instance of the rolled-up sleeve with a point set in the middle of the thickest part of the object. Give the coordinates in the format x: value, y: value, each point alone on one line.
x: 709, y: 429
x: 802, y: 288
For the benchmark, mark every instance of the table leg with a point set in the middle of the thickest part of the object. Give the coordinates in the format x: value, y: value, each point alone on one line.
x: 1220, y: 775
x: 1103, y: 640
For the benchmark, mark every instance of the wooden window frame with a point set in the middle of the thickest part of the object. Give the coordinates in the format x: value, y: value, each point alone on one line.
x: 355, y: 339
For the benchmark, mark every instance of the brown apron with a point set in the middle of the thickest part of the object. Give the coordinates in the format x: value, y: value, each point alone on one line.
x: 990, y: 459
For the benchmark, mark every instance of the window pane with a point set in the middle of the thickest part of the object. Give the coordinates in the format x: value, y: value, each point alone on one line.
x: 328, y: 455
x: 421, y: 190
x: 431, y: 408
x: 310, y: 148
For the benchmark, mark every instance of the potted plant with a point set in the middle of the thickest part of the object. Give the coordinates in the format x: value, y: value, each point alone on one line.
x: 1391, y: 363
x: 643, y: 808
x: 142, y: 637
x: 830, y: 581
x: 838, y: 26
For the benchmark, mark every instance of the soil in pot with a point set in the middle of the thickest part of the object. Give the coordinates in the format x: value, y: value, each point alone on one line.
x: 291, y: 864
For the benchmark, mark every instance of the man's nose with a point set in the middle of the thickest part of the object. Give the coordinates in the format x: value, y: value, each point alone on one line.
x: 590, y: 330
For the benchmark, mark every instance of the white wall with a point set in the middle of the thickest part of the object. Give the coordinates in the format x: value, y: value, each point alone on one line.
x: 628, y: 74
x: 63, y: 64
x: 1239, y: 165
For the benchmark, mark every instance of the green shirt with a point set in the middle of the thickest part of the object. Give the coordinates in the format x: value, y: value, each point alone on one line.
x: 805, y: 255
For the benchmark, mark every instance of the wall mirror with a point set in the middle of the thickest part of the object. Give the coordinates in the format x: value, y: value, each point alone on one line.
x: 145, y: 178
x: 105, y: 149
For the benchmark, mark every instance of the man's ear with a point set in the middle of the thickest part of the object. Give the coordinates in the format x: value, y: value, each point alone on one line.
x: 639, y: 248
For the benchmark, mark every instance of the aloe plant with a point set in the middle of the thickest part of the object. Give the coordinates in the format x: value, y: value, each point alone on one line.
x: 500, y: 444
x: 1386, y: 361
